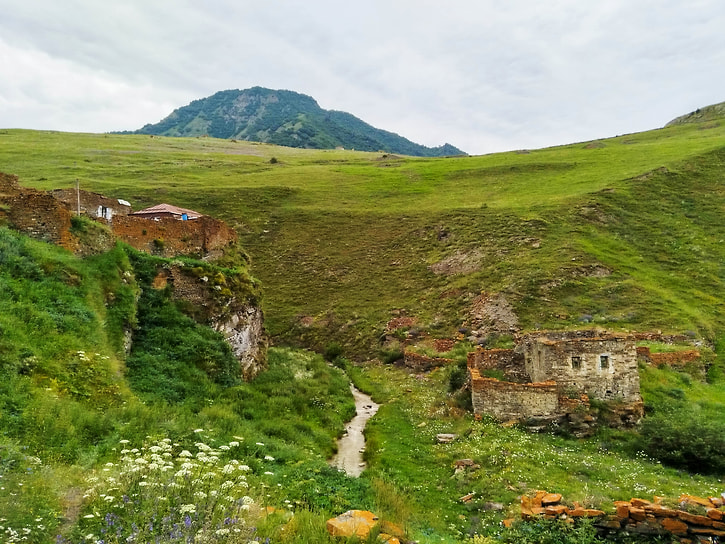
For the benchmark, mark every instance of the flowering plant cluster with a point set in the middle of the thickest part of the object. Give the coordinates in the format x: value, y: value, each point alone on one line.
x: 162, y: 493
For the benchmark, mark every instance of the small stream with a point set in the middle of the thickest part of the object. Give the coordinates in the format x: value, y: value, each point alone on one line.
x: 351, y: 446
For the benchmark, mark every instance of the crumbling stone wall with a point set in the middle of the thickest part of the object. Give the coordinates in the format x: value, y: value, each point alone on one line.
x: 603, y: 365
x: 696, y: 519
x: 513, y: 401
x: 670, y: 358
x: 423, y: 363
x: 35, y: 213
x: 204, y: 237
x: 510, y: 362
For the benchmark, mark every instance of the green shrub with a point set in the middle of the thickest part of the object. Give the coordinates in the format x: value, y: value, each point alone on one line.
x: 333, y: 350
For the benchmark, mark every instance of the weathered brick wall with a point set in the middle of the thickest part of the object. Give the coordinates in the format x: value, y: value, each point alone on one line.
x: 40, y: 216
x: 551, y: 356
x: 204, y: 237
x: 507, y: 400
x: 508, y: 361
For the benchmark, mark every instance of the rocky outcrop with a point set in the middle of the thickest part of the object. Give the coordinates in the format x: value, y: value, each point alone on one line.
x: 244, y: 332
x: 226, y: 301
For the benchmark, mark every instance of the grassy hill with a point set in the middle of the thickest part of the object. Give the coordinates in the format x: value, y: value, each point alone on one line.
x: 283, y: 118
x: 624, y: 233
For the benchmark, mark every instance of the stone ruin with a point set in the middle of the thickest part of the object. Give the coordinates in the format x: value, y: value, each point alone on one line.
x: 550, y: 377
x: 694, y: 520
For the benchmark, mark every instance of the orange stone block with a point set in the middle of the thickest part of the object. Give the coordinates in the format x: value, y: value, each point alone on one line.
x: 551, y: 498
x: 555, y: 510
x: 661, y: 511
x: 639, y: 503
x: 717, y: 502
x: 692, y: 499
x: 352, y: 523
x: 536, y: 500
x: 623, y: 511
x: 637, y: 513
x: 526, y: 502
x: 593, y: 513
x: 508, y: 522
x: 718, y: 525
x: 714, y: 513
x: 674, y: 526
x: 388, y: 539
x: 578, y: 512
x: 695, y: 519
x: 537, y: 510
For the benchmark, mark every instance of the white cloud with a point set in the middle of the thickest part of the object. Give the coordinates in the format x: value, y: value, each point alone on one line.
x: 480, y: 74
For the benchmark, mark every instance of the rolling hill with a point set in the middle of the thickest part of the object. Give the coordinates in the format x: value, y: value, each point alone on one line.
x: 363, y: 254
x: 284, y: 118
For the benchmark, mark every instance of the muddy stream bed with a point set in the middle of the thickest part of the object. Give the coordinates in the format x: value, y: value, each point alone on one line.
x: 351, y: 446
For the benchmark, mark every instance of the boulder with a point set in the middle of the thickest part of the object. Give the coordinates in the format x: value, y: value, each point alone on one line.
x: 352, y: 523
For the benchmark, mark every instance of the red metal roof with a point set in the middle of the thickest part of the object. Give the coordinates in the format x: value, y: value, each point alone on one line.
x: 168, y: 208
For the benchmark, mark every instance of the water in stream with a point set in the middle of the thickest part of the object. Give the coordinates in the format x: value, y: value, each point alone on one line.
x: 350, y: 447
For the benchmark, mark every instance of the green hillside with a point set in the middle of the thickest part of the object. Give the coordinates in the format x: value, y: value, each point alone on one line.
x: 623, y: 233
x: 283, y: 118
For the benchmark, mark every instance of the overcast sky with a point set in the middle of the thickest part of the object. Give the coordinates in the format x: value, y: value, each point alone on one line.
x: 483, y: 75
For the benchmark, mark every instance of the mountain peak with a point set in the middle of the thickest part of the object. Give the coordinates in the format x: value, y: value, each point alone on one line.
x: 286, y: 118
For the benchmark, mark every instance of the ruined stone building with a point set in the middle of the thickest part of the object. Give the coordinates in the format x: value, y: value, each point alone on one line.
x: 551, y: 376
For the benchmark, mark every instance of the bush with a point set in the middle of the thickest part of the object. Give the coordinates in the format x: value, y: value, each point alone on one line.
x: 332, y: 351
x: 682, y: 439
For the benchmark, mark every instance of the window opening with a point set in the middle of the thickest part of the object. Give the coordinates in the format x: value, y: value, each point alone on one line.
x: 604, y: 361
x: 576, y: 362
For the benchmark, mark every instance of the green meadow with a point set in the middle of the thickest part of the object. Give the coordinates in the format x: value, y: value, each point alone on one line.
x: 624, y: 233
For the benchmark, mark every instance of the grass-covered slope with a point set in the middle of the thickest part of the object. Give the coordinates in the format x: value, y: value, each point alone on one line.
x: 283, y: 118
x: 69, y: 395
x: 622, y: 232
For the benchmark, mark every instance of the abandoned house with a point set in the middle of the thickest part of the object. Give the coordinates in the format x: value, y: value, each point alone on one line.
x: 91, y: 204
x: 161, y: 211
x: 550, y: 375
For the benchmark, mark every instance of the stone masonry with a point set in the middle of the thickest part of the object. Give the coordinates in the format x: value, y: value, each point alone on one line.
x: 549, y: 377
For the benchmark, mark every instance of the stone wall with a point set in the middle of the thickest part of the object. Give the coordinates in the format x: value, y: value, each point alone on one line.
x: 513, y: 401
x: 36, y: 214
x: 204, y: 237
x: 423, y: 363
x: 696, y: 519
x: 510, y: 362
x: 670, y: 358
x: 603, y: 365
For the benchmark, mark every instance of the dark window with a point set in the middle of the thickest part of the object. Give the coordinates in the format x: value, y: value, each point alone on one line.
x: 604, y: 361
x: 576, y: 362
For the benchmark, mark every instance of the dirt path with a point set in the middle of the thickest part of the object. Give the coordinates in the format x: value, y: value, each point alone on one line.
x: 352, y: 444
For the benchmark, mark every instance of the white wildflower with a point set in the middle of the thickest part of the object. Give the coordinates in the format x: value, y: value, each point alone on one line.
x: 268, y: 458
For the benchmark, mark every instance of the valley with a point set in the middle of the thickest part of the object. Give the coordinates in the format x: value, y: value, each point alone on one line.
x: 361, y: 262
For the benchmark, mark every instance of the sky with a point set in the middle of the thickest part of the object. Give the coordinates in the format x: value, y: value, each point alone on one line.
x: 483, y: 75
